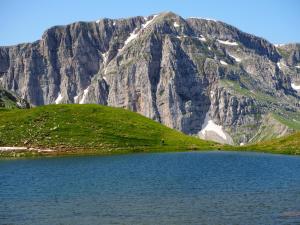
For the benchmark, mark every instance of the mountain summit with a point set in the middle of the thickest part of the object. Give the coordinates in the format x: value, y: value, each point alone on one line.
x: 202, y: 77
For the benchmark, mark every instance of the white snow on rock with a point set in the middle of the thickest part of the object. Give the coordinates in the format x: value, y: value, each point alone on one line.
x: 237, y: 59
x: 297, y: 67
x: 85, y: 92
x: 136, y: 32
x: 175, y: 24
x: 59, y: 98
x: 104, y: 78
x: 242, y: 143
x: 19, y: 104
x: 209, y: 48
x: 98, y: 21
x: 279, y: 65
x: 202, y: 38
x: 228, y: 43
x: 200, y: 18
x: 114, y: 23
x: 223, y: 62
x: 76, y: 99
x: 209, y: 125
x: 132, y: 36
x: 104, y: 56
x: 148, y: 22
x: 182, y: 36
x: 278, y: 45
x: 295, y: 87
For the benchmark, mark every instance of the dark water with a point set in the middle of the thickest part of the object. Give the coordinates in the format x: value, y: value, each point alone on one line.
x: 168, y: 188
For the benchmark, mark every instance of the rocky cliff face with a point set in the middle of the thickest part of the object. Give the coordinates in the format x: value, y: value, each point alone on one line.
x: 290, y: 63
x: 10, y: 100
x: 203, y: 77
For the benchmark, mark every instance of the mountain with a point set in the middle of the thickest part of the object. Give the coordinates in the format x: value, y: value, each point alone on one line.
x: 88, y: 129
x: 199, y: 76
x: 289, y: 144
x: 290, y: 62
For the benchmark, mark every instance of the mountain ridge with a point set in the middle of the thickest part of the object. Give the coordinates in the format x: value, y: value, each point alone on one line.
x: 180, y: 72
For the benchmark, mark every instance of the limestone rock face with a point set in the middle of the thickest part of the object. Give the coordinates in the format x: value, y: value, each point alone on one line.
x: 180, y: 72
x: 10, y: 100
x: 290, y: 63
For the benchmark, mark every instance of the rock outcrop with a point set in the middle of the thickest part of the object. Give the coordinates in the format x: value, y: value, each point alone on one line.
x: 10, y: 100
x: 203, y: 77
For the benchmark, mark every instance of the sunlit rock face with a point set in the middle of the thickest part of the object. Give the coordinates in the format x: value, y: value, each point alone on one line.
x: 189, y: 74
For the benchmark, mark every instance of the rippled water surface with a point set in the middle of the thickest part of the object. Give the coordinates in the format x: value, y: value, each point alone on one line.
x: 164, y: 188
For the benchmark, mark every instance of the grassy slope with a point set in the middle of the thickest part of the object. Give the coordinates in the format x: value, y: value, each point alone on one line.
x: 7, y: 100
x: 90, y: 129
x: 285, y: 145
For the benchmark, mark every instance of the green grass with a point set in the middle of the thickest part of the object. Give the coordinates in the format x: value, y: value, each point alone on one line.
x: 95, y: 129
x: 257, y: 94
x: 236, y: 87
x: 7, y: 100
x: 91, y: 129
x: 290, y: 119
x: 285, y: 145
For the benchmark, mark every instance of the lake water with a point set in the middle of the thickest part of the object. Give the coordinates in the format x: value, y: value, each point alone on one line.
x: 162, y: 188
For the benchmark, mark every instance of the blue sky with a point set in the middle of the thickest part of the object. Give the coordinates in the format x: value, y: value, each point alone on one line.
x: 25, y: 21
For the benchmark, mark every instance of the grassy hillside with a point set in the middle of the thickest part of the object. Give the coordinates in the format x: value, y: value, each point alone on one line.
x: 285, y: 145
x: 90, y: 129
x: 7, y: 100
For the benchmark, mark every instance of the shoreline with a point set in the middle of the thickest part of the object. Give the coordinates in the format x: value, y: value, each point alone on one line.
x: 34, y: 152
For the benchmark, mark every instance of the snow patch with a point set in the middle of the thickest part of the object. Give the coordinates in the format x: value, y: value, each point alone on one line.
x: 228, y: 43
x: 223, y: 62
x: 148, y: 22
x: 209, y: 48
x: 281, y: 65
x: 175, y: 24
x: 242, y: 143
x: 104, y: 56
x: 104, y: 78
x: 237, y: 59
x: 98, y: 21
x: 182, y: 36
x: 200, y: 18
x: 297, y: 67
x: 19, y: 104
x: 295, y: 87
x: 278, y: 45
x: 76, y: 99
x: 85, y: 92
x: 202, y: 38
x: 132, y: 36
x: 114, y: 23
x: 209, y: 125
x: 59, y: 98
x: 136, y: 32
